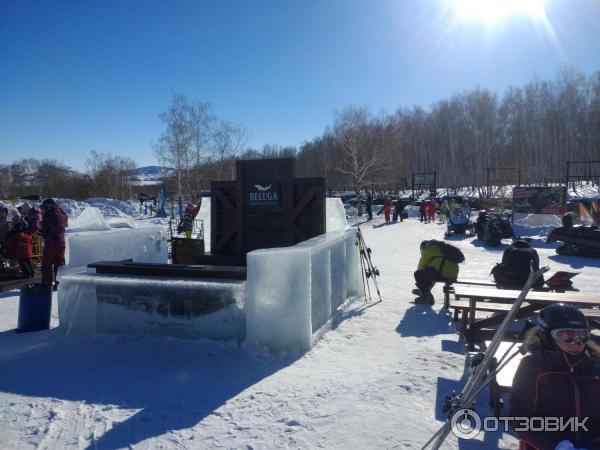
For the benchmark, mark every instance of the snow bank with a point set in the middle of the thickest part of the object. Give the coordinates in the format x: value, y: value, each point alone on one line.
x: 292, y: 292
x: 184, y: 308
x: 90, y: 219
x: 535, y: 225
x: 112, y: 207
x: 145, y: 244
x: 335, y: 215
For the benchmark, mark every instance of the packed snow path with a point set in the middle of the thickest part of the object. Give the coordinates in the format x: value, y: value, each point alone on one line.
x: 375, y: 381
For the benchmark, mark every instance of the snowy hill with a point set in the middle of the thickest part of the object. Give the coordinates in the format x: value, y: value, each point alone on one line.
x: 150, y: 175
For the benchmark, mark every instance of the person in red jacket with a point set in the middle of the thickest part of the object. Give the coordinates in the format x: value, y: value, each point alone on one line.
x: 20, y: 247
x: 54, y: 222
x: 431, y: 208
x: 387, y: 209
x: 558, y: 378
x: 423, y: 211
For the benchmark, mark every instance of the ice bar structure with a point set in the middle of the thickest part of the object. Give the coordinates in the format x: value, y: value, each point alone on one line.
x: 285, y: 300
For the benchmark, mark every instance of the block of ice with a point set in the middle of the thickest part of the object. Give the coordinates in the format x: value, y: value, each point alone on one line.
x: 118, y: 304
x: 335, y: 215
x: 143, y: 244
x: 277, y: 298
x: 292, y: 292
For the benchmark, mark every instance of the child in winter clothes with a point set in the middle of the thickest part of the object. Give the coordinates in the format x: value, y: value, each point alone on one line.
x: 19, y: 246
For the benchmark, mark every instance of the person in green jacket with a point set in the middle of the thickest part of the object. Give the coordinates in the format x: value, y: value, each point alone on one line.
x: 433, y: 266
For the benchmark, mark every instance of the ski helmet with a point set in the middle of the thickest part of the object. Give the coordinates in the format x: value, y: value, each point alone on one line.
x: 560, y: 315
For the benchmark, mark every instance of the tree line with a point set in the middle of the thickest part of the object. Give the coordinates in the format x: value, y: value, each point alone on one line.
x: 530, y: 132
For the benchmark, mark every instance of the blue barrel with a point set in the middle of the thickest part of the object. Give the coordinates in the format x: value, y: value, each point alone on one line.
x: 35, y: 304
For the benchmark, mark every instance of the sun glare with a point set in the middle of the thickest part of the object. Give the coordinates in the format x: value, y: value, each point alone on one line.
x: 491, y: 11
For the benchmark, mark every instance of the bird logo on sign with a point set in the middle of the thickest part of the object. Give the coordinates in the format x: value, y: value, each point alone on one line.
x: 262, y: 188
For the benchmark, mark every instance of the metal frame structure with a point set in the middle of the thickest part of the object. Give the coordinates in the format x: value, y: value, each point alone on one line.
x: 501, y: 181
x: 418, y: 186
x: 587, y: 176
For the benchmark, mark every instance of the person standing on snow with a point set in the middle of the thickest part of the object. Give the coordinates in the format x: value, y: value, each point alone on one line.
x: 387, y: 209
x: 369, y: 206
x: 423, y: 211
x: 398, y: 210
x: 54, y: 222
x: 438, y: 262
x: 444, y: 211
x: 19, y: 245
x: 431, y: 210
x: 558, y: 378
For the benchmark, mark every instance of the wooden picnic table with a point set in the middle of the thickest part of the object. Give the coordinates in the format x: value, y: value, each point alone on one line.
x: 499, y: 301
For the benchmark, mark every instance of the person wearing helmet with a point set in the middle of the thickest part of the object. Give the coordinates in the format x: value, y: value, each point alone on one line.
x: 54, y: 222
x: 559, y: 377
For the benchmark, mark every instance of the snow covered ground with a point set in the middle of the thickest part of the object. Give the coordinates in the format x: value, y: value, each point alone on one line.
x: 375, y: 381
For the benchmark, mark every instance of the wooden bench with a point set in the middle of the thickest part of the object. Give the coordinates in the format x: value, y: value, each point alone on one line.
x: 448, y: 289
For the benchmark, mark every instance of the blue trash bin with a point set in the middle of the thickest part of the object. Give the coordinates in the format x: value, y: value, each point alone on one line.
x: 35, y: 305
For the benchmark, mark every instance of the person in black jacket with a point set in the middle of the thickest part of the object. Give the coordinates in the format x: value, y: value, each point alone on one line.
x: 398, y: 210
x: 369, y: 206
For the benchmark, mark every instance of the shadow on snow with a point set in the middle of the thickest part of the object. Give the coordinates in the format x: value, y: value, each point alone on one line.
x: 174, y: 383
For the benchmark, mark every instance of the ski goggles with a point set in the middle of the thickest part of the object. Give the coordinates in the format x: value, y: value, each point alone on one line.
x: 571, y: 335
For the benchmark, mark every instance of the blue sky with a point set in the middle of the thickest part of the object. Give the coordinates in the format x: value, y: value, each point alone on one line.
x: 83, y: 75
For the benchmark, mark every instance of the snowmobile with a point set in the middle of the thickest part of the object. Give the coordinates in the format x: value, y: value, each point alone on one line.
x: 578, y: 240
x: 459, y: 221
x: 493, y: 227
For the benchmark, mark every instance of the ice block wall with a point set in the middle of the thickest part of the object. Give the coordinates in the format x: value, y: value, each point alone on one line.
x: 335, y: 215
x: 186, y: 308
x: 143, y: 244
x: 292, y: 293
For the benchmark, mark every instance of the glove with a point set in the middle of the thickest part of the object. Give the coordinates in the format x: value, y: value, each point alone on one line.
x: 565, y: 445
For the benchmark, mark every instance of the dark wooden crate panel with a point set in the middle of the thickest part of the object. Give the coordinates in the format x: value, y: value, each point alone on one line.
x: 265, y: 207
x: 311, y: 217
x: 223, y: 218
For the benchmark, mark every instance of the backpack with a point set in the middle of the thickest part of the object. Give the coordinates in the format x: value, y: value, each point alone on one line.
x: 513, y: 271
x: 451, y: 253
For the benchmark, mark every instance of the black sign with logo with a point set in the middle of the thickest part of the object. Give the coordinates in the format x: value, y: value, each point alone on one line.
x: 263, y: 193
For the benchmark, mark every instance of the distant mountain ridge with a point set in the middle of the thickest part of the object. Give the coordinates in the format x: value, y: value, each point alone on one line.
x: 149, y: 174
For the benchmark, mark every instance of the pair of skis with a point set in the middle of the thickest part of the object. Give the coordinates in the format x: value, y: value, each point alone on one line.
x: 480, y: 376
x: 369, y: 271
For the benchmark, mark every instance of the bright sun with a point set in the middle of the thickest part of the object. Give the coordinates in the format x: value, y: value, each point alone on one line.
x: 491, y: 11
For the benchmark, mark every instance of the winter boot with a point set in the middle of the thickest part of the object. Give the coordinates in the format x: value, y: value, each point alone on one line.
x: 55, y: 287
x: 425, y: 299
